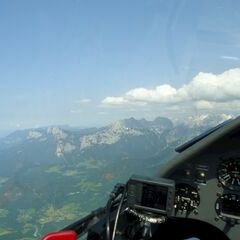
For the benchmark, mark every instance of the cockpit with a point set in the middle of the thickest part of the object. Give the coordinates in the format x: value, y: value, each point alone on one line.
x: 196, y: 194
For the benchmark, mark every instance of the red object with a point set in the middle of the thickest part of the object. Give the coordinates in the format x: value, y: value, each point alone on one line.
x: 64, y: 235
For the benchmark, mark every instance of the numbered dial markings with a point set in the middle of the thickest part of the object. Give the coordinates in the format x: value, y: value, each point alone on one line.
x: 229, y: 174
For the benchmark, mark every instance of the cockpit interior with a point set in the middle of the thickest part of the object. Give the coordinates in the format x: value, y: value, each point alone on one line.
x: 194, y: 195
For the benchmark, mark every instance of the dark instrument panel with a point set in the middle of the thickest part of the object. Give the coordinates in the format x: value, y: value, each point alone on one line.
x: 210, y: 166
x: 208, y: 189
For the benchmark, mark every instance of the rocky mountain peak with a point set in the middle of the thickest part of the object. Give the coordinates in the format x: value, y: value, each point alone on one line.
x: 57, y: 132
x: 162, y: 122
x: 132, y: 123
x: 207, y: 120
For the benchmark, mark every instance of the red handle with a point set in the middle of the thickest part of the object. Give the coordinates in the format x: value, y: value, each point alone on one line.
x: 64, y: 235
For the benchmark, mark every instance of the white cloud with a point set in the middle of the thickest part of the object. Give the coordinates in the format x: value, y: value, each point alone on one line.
x: 210, y: 87
x: 233, y: 58
x: 163, y: 93
x: 115, y: 101
x: 203, y: 105
x: 204, y: 90
x: 84, y: 100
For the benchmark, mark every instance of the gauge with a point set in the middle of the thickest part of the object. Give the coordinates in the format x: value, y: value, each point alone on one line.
x: 228, y: 207
x: 186, y: 197
x: 229, y: 173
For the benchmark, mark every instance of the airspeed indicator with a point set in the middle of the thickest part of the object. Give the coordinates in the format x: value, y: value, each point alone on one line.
x: 229, y: 173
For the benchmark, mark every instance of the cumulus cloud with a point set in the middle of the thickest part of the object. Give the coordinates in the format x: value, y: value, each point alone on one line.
x: 163, y: 94
x: 115, y: 101
x: 204, y: 90
x: 218, y: 88
x: 204, y: 105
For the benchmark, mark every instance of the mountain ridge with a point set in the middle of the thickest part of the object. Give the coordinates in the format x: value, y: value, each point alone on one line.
x: 52, y: 176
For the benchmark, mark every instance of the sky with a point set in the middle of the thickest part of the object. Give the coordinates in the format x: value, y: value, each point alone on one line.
x: 89, y: 62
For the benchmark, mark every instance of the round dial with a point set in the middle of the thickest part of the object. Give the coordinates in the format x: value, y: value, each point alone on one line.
x: 228, y: 207
x: 186, y: 198
x: 229, y: 173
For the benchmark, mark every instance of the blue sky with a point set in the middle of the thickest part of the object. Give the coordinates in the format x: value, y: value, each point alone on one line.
x: 60, y: 60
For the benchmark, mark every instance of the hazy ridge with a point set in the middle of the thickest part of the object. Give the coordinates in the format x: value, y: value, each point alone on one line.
x: 52, y: 176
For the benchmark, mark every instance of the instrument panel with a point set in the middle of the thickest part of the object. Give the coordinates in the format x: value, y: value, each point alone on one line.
x: 209, y: 189
x: 228, y: 203
x: 210, y: 164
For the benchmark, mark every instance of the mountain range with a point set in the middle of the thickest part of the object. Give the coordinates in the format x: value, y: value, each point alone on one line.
x: 51, y: 176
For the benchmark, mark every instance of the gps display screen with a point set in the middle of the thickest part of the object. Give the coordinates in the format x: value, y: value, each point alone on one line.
x: 154, y: 196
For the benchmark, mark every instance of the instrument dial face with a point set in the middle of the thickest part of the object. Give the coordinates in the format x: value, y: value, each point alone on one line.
x: 228, y: 207
x: 229, y: 174
x: 186, y: 198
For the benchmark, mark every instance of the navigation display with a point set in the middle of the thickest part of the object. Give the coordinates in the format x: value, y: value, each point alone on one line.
x: 154, y: 196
